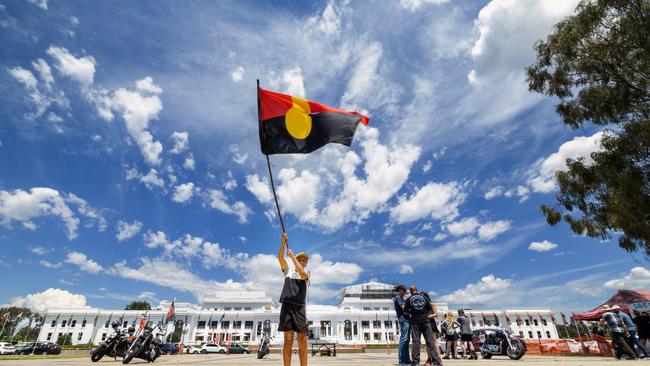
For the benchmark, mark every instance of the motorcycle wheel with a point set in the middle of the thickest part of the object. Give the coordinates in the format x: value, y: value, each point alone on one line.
x: 486, y: 355
x: 97, y: 354
x: 260, y: 355
x: 516, y: 353
x: 130, y: 355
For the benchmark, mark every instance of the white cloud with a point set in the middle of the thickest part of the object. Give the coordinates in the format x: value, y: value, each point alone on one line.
x: 440, y: 237
x: 299, y: 193
x: 260, y: 189
x: 23, y: 206
x: 439, y: 201
x: 183, y: 192
x: 151, y: 180
x: 360, y: 85
x: 41, y: 99
x: 44, y: 71
x: 463, y: 227
x: 181, y: 142
x: 84, y: 209
x: 138, y: 110
x: 127, y: 231
x: 52, y: 298
x: 543, y: 246
x: 493, y: 192
x: 237, y: 156
x: 427, y: 166
x: 85, y: 264
x: 238, y: 74
x: 189, y: 162
x: 146, y: 85
x: 328, y: 22
x: 53, y: 117
x: 542, y: 176
x: 47, y: 264
x: 637, y: 279
x: 293, y: 83
x: 219, y: 202
x: 231, y: 183
x: 40, y: 3
x: 39, y: 250
x: 405, y: 269
x: 24, y: 76
x: 414, y: 5
x: 492, y: 229
x: 413, y: 241
x: 80, y: 69
x: 484, y: 291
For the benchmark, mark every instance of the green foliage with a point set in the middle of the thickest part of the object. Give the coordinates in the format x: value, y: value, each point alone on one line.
x: 64, y: 340
x: 138, y: 305
x: 174, y: 337
x: 11, y: 316
x: 597, y: 62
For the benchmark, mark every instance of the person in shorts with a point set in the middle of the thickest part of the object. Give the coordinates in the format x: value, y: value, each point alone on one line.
x: 466, y: 335
x: 293, y: 314
x: 450, y: 328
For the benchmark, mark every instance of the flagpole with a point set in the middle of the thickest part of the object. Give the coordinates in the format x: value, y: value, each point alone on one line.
x: 268, y: 163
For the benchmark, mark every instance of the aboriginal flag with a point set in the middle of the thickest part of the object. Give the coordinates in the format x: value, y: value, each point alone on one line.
x: 290, y: 125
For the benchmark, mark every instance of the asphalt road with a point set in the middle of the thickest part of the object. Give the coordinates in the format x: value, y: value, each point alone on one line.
x: 365, y: 359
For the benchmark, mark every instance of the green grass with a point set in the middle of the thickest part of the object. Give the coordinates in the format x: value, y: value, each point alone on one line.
x: 40, y: 357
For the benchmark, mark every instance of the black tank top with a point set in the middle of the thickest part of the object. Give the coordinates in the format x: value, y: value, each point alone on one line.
x: 294, y: 290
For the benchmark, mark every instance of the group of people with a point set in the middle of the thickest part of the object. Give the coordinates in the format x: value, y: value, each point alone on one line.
x: 629, y: 336
x: 417, y: 315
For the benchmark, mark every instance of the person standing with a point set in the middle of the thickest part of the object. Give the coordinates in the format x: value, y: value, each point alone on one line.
x: 450, y: 328
x: 418, y: 306
x: 403, y: 357
x: 632, y: 339
x: 293, y: 314
x: 619, y: 332
x: 466, y: 335
x: 642, y: 322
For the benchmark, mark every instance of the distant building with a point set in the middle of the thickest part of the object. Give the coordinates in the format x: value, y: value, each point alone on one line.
x: 365, y: 315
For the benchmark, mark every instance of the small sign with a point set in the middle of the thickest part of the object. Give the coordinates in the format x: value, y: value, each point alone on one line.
x: 640, y: 306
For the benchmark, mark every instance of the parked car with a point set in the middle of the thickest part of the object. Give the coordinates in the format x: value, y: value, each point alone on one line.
x: 212, y: 348
x: 188, y: 348
x: 39, y: 348
x: 169, y: 348
x: 7, y: 348
x: 238, y: 348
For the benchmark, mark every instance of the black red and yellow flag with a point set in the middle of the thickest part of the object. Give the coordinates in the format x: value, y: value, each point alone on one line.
x: 290, y: 125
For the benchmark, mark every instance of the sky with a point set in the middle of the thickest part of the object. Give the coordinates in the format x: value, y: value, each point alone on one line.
x: 130, y: 165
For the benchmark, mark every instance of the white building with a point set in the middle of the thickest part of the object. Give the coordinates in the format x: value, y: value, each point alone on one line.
x: 365, y: 315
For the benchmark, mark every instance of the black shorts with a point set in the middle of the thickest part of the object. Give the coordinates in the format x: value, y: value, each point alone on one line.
x: 465, y: 337
x: 451, y: 338
x: 293, y: 318
x: 434, y: 326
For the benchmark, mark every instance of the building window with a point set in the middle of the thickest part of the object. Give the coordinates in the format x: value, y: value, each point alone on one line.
x: 49, y: 336
x: 248, y: 324
x: 347, y: 330
x: 199, y: 338
x: 530, y: 334
x: 356, y: 330
x: 83, y: 323
x: 103, y: 336
x: 248, y: 308
x: 521, y: 333
x: 214, y: 323
x: 391, y: 337
x: 225, y: 324
x: 64, y: 323
x: 528, y: 323
x: 376, y: 336
x: 535, y: 322
x: 386, y: 309
x: 80, y: 336
x: 325, y: 328
x: 227, y: 308
x: 366, y: 336
x: 376, y: 324
x: 267, y: 327
x: 126, y: 324
x: 201, y: 324
x: 539, y: 334
x: 53, y: 323
x: 106, y: 324
x: 365, y: 324
x: 236, y: 324
x: 544, y: 322
x: 73, y: 324
x: 548, y: 334
x: 237, y: 308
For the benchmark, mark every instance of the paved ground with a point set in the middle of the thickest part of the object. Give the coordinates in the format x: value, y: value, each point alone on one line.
x: 366, y: 359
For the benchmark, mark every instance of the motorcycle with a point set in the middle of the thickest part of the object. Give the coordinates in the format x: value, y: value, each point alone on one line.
x: 264, y: 348
x: 502, y: 343
x: 115, y: 346
x: 145, y: 346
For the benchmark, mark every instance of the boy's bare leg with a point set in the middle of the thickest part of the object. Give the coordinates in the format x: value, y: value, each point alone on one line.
x: 287, y: 347
x: 302, y: 348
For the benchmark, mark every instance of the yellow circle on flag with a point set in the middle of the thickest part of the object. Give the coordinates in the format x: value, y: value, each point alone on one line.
x: 298, y: 122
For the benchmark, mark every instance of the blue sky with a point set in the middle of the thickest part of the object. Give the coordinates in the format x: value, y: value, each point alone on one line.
x: 131, y: 165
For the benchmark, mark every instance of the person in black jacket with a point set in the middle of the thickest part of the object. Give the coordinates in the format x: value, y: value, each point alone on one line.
x: 418, y: 306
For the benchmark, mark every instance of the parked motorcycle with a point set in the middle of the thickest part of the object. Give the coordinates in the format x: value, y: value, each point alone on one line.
x: 264, y: 348
x: 502, y: 343
x: 115, y: 346
x: 146, y: 345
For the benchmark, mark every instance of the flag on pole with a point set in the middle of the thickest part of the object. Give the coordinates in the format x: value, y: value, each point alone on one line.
x: 518, y: 319
x: 507, y: 318
x: 496, y: 319
x: 564, y: 318
x: 290, y: 124
x: 170, y: 312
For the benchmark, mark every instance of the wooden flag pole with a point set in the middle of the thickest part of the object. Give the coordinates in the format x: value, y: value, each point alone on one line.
x: 268, y: 164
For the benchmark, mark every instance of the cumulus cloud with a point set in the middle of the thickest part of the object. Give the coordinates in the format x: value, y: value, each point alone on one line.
x: 413, y: 241
x: 43, y: 97
x: 439, y: 201
x: 151, y: 180
x: 405, y: 269
x: 637, y: 279
x: 189, y: 162
x: 487, y: 289
x: 25, y: 206
x: 183, y: 192
x: 414, y: 5
x: 84, y: 209
x: 52, y: 298
x: 181, y: 142
x: 542, y: 175
x: 40, y: 3
x: 543, y: 246
x: 127, y: 230
x: 299, y: 193
x: 83, y: 262
x: 80, y: 69
x: 47, y: 264
x: 219, y: 201
x: 238, y: 74
x: 463, y: 227
x: 492, y: 229
x: 493, y: 192
x: 259, y: 188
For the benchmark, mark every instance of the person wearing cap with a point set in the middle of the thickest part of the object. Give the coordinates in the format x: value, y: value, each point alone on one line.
x: 632, y: 339
x: 403, y: 357
x: 293, y: 314
x: 619, y: 332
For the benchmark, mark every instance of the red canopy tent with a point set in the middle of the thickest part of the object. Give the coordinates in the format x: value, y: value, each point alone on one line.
x: 622, y: 298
